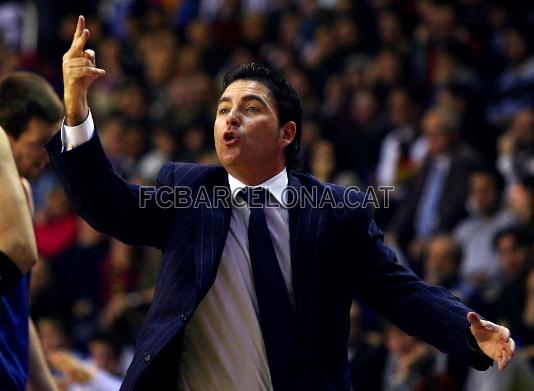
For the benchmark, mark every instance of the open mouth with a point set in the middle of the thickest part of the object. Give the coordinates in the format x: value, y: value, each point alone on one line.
x: 230, y: 137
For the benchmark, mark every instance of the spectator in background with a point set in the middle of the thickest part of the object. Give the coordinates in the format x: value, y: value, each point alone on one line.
x: 442, y: 260
x: 401, y: 151
x: 435, y: 37
x: 52, y: 334
x: 75, y: 374
x: 387, y: 74
x: 390, y: 32
x: 407, y: 362
x: 163, y: 149
x: 194, y: 142
x: 56, y: 227
x: 515, y: 258
x: 366, y: 361
x: 476, y: 232
x: 526, y: 330
x: 113, y: 133
x: 359, y: 134
x: 514, y: 250
x: 515, y: 85
x: 104, y: 353
x: 134, y: 144
x: 466, y: 103
x: 521, y: 204
x: 436, y: 201
x: 516, y: 147
x: 323, y: 161
x: 77, y: 276
x: 126, y: 288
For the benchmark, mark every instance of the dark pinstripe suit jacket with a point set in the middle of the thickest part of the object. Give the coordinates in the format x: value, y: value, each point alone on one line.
x: 334, y: 251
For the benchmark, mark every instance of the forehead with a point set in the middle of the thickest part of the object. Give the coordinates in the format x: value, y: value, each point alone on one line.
x: 240, y: 88
x: 481, y: 177
x: 433, y: 123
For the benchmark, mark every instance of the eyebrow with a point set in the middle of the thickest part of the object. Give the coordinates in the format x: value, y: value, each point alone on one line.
x: 245, y: 98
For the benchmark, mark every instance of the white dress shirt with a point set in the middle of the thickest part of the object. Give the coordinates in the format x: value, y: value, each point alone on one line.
x: 223, y: 346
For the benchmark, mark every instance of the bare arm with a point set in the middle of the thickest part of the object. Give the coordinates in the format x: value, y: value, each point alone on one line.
x: 17, y: 240
x: 40, y: 377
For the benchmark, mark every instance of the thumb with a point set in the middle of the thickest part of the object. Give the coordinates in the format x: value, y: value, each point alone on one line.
x: 474, y: 319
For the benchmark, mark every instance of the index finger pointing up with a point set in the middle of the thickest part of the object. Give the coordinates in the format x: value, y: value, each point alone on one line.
x: 79, y: 27
x: 78, y: 42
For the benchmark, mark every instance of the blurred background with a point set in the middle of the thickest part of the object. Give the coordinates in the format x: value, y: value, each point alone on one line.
x: 435, y: 98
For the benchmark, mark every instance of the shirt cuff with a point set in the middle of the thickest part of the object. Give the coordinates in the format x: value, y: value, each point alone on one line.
x: 74, y: 136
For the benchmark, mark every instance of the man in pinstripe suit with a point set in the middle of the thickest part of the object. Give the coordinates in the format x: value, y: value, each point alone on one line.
x: 203, y: 328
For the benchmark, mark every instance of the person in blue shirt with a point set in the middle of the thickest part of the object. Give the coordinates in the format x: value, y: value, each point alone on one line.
x: 30, y: 112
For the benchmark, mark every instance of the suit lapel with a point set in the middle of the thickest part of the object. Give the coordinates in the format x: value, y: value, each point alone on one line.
x: 212, y: 225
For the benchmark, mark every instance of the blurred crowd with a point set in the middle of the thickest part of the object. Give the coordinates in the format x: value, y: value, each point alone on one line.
x: 435, y: 98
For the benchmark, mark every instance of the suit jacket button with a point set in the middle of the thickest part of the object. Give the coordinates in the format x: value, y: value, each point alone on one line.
x: 147, y: 356
x: 183, y: 317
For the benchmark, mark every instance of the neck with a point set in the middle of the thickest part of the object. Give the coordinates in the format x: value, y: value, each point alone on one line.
x: 256, y: 177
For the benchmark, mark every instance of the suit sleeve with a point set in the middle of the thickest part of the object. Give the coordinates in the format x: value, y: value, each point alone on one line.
x: 108, y: 203
x: 431, y: 313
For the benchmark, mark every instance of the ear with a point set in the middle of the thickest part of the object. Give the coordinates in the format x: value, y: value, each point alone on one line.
x: 287, y: 133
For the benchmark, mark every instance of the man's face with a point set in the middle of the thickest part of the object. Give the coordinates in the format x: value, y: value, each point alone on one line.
x: 512, y: 257
x: 28, y: 150
x: 440, y: 262
x: 249, y: 140
x: 483, y: 193
x: 439, y: 139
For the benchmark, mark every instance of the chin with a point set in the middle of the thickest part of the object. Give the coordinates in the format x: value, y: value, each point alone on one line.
x: 229, y: 161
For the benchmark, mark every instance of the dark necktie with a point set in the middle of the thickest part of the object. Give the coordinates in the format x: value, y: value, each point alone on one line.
x: 277, y: 317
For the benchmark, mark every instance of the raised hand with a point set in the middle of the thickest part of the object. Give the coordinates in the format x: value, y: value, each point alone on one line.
x: 494, y: 340
x: 79, y: 72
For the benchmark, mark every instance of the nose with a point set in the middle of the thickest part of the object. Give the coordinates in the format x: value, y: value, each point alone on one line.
x: 233, y: 118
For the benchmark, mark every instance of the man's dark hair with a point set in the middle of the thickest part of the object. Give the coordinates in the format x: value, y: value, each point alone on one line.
x: 23, y: 96
x: 494, y: 174
x: 285, y: 97
x: 520, y: 236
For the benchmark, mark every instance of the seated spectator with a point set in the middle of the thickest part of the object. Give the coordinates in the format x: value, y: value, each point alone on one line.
x: 408, y: 360
x: 442, y: 261
x: 514, y: 87
x: 52, y: 334
x: 515, y: 258
x: 163, y: 149
x: 521, y: 204
x: 436, y: 200
x: 56, y: 227
x: 517, y: 377
x: 516, y: 148
x: 526, y: 331
x: 104, y: 353
x: 402, y: 150
x: 366, y: 361
x: 323, y: 161
x: 476, y: 232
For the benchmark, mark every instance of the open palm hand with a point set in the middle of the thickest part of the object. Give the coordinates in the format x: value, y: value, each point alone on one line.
x: 494, y: 340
